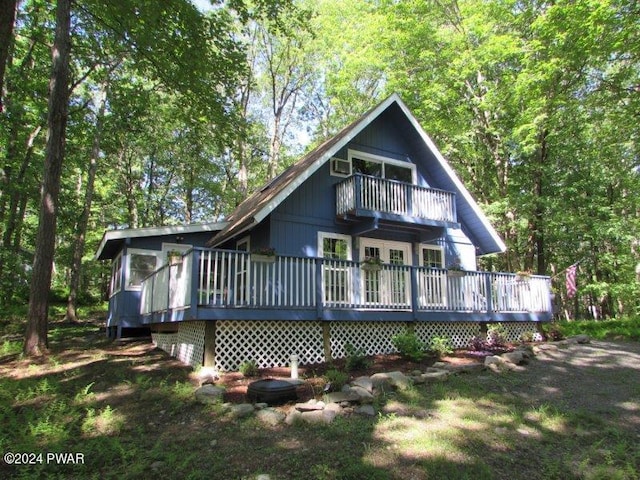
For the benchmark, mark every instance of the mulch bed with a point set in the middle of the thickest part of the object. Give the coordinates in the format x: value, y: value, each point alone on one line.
x: 236, y: 384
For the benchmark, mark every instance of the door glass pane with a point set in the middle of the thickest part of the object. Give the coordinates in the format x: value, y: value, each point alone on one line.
x: 397, y: 277
x: 372, y: 280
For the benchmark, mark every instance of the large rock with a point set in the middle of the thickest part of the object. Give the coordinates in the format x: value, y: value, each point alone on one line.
x: 366, y: 410
x: 434, y: 376
x: 208, y: 394
x: 364, y: 395
x: 516, y: 357
x: 241, y: 410
x: 319, y: 416
x: 363, y: 382
x: 339, y: 397
x: 310, y: 406
x: 270, y: 416
x: 396, y: 379
x: 208, y: 375
x: 582, y: 339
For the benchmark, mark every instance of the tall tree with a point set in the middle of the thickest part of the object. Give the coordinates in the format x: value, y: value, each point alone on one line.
x: 36, y: 341
x: 7, y: 19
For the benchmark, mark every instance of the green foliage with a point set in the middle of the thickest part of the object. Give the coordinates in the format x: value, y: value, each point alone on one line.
x: 440, y: 346
x: 627, y: 328
x: 409, y: 346
x: 336, y: 378
x: 496, y: 335
x: 249, y: 369
x: 356, y: 359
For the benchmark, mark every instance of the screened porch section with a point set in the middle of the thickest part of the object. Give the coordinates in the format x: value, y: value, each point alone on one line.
x: 206, y: 281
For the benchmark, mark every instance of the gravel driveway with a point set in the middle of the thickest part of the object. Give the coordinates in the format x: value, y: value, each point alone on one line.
x: 602, y: 377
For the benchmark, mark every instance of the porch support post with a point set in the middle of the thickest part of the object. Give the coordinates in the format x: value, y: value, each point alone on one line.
x: 209, y: 344
x: 195, y: 284
x: 487, y: 282
x: 326, y: 341
x: 414, y: 292
x: 319, y: 291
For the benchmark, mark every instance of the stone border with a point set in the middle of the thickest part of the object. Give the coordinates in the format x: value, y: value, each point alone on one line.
x: 357, y: 397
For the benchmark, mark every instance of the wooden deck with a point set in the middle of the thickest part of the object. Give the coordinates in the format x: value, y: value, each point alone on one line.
x: 221, y: 284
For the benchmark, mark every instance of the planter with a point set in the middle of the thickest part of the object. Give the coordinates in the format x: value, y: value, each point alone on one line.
x: 256, y: 257
x: 456, y: 273
x: 371, y: 267
x: 175, y: 260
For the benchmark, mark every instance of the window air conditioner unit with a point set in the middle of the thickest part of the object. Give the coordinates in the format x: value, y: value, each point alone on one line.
x: 340, y: 166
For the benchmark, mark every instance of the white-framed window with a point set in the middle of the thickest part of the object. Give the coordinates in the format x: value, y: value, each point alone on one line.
x: 334, y: 245
x: 336, y: 273
x: 382, y: 167
x: 116, y: 275
x: 431, y: 256
x: 140, y: 264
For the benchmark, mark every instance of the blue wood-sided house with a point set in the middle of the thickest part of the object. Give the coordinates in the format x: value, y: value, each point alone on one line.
x: 372, y: 234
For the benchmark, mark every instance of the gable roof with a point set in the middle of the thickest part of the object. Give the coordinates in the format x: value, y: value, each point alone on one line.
x: 112, y: 240
x: 259, y: 205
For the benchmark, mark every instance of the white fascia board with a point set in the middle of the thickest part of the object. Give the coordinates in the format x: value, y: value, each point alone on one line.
x: 267, y: 209
x: 111, y: 235
x: 453, y: 176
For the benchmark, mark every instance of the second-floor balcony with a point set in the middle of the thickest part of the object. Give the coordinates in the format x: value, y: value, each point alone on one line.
x: 367, y: 196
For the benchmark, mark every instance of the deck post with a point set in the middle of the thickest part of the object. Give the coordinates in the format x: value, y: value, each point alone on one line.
x: 487, y: 280
x: 414, y: 292
x: 195, y: 284
x: 209, y: 344
x: 326, y: 341
x: 319, y: 291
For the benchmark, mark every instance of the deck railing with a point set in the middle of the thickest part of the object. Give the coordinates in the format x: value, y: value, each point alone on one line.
x: 233, y: 279
x: 363, y: 192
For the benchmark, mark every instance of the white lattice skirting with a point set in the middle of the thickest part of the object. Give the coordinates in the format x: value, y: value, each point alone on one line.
x: 271, y: 343
x: 187, y: 345
x: 267, y: 343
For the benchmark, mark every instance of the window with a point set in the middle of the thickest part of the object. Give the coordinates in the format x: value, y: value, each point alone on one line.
x: 116, y: 275
x: 382, y: 167
x: 336, y: 249
x: 142, y: 263
x: 431, y: 256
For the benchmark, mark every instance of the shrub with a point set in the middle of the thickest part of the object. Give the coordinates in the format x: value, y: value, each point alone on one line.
x: 553, y: 333
x: 478, y: 344
x: 249, y: 369
x: 409, y: 345
x: 336, y: 379
x: 527, y: 336
x: 356, y: 358
x: 496, y: 335
x: 441, y: 346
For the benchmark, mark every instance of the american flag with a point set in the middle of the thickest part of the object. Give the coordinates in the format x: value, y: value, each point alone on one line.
x: 571, y: 280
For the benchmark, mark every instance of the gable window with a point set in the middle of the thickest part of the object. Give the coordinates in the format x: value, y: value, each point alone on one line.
x: 382, y: 167
x: 142, y: 263
x: 431, y: 256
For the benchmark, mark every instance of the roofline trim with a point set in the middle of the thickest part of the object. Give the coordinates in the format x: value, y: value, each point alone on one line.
x: 121, y: 234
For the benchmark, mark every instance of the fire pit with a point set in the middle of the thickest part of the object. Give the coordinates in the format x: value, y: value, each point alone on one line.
x: 271, y: 391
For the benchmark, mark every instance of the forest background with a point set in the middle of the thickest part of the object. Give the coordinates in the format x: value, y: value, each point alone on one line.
x: 176, y: 113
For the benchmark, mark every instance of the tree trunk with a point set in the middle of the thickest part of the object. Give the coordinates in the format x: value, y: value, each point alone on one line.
x: 35, y: 341
x: 7, y: 20
x: 78, y: 251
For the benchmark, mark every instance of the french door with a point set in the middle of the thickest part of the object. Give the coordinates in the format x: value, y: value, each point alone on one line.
x: 389, y: 286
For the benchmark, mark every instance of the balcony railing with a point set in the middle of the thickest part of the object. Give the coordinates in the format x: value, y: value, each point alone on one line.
x: 232, y: 279
x: 360, y: 193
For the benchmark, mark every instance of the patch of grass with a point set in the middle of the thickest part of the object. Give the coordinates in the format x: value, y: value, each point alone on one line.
x: 135, y: 416
x: 624, y: 328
